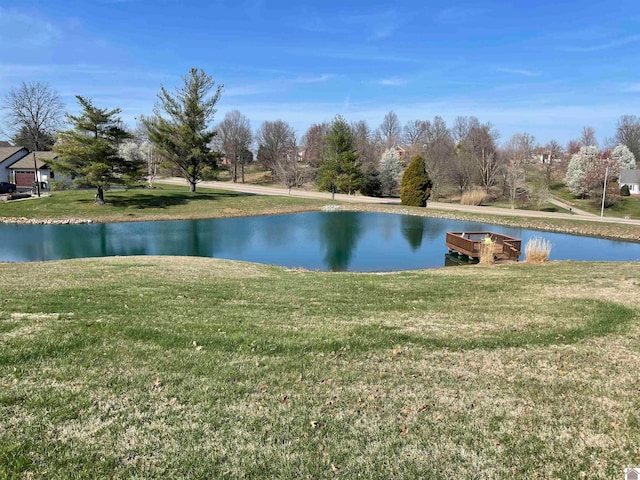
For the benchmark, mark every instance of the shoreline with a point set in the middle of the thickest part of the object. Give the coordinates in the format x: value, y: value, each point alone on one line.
x: 579, y: 227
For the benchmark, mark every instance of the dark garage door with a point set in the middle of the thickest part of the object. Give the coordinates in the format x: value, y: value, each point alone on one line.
x: 24, y: 179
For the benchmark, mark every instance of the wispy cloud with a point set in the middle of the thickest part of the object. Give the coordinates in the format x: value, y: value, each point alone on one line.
x: 381, y: 24
x: 75, y: 70
x: 376, y: 25
x: 458, y: 14
x: 605, y: 45
x: 252, y: 89
x: 357, y: 54
x: 631, y: 87
x: 393, y: 82
x: 317, y: 79
x: 274, y: 85
x: 20, y: 30
x: 519, y: 71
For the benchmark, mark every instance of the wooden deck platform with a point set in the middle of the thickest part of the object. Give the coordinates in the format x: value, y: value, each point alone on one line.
x: 470, y: 244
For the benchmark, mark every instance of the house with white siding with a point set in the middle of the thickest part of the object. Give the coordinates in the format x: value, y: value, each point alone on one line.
x: 9, y: 156
x: 630, y: 178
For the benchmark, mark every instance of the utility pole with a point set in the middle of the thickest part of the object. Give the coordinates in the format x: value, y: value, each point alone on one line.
x: 604, y: 191
x: 35, y: 174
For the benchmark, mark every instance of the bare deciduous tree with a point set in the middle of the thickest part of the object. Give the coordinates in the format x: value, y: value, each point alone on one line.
x: 368, y: 145
x: 628, y: 134
x: 390, y: 129
x: 480, y: 144
x: 551, y: 159
x: 289, y: 170
x: 34, y: 110
x: 313, y: 143
x: 438, y: 151
x: 518, y: 151
x: 461, y: 169
x: 274, y: 140
x: 233, y: 139
x: 415, y: 132
x: 588, y: 137
x: 462, y: 127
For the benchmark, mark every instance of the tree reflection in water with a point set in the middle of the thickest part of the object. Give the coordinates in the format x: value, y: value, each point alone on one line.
x: 339, y: 235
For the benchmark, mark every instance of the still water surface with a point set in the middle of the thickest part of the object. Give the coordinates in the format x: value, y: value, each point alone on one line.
x: 339, y: 241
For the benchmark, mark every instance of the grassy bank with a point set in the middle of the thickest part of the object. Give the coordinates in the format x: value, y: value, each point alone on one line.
x: 164, y: 203
x: 149, y: 367
x: 175, y: 202
x: 549, y: 224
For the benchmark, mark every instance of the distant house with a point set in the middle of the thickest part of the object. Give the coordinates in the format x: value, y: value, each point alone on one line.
x: 4, y: 143
x: 24, y: 170
x: 8, y: 156
x: 403, y: 153
x: 630, y: 178
x: 17, y: 166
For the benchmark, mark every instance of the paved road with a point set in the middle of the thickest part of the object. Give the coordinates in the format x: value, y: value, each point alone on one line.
x: 261, y: 190
x: 562, y: 204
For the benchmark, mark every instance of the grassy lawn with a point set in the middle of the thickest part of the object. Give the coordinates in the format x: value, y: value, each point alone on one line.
x: 627, y: 207
x: 164, y: 203
x: 253, y: 173
x: 148, y: 367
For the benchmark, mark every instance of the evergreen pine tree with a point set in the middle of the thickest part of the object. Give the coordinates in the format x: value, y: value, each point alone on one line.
x: 415, y: 188
x: 182, y: 136
x: 339, y: 170
x: 89, y: 154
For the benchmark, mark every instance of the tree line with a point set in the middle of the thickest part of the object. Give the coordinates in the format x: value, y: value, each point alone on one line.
x: 98, y: 151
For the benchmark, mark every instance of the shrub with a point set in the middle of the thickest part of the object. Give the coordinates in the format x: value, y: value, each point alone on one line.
x: 415, y: 188
x: 537, y: 250
x: 624, y: 191
x: 487, y: 251
x: 58, y: 185
x: 209, y: 174
x: 475, y: 196
x: 371, y: 185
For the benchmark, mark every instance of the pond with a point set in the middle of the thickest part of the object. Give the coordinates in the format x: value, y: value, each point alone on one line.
x: 338, y: 241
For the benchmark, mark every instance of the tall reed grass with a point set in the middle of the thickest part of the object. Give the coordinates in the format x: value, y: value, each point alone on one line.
x: 475, y: 196
x: 487, y: 251
x: 537, y: 250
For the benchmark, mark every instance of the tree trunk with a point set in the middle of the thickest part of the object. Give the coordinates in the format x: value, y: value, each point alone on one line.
x: 100, y: 196
x: 242, y: 170
x: 235, y: 172
x: 192, y: 186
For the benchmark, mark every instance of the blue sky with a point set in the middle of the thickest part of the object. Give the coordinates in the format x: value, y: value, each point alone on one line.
x: 547, y: 68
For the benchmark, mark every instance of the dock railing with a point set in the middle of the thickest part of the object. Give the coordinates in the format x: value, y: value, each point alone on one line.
x: 469, y: 244
x: 459, y: 242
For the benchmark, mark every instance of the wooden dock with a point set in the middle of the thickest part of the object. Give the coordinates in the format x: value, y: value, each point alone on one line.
x: 470, y: 244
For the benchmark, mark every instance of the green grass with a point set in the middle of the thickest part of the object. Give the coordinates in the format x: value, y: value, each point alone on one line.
x: 163, y: 203
x: 150, y: 367
x: 253, y: 173
x: 628, y: 207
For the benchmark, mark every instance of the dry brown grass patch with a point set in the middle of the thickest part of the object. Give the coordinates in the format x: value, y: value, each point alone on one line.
x: 487, y: 251
x: 475, y: 196
x: 537, y: 250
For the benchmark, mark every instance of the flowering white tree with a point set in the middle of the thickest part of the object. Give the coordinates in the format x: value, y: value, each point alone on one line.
x: 142, y: 153
x: 588, y: 169
x: 390, y: 171
x: 578, y: 169
x: 623, y: 157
